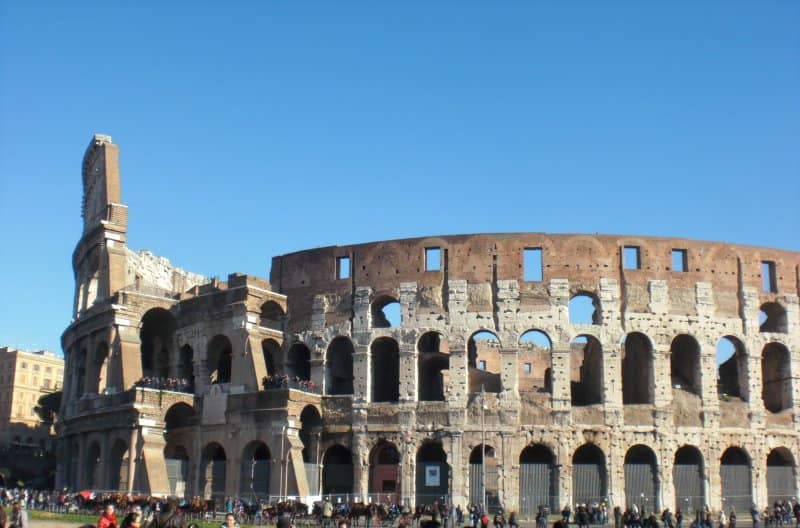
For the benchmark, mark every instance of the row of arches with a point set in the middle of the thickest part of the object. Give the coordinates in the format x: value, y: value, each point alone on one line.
x: 586, y: 368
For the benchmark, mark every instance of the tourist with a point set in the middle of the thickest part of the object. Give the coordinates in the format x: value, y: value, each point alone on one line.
x: 230, y: 521
x: 107, y: 519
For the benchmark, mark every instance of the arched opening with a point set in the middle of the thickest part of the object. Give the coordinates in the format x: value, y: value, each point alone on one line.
x: 483, y: 358
x: 535, y: 358
x: 176, y: 458
x: 384, y: 472
x: 212, y: 471
x: 589, y: 474
x: 337, y: 471
x: 186, y: 366
x: 97, y: 381
x: 300, y: 362
x: 776, y: 378
x: 118, y: 467
x: 538, y: 480
x: 772, y: 318
x: 93, y: 467
x: 584, y: 308
x: 478, y: 466
x: 272, y: 316
x: 219, y: 360
x: 179, y: 416
x: 433, y: 367
x: 586, y: 371
x: 732, y: 382
x: 157, y: 336
x: 685, y: 364
x: 386, y: 312
x: 781, y: 476
x: 339, y: 366
x: 272, y: 356
x: 735, y: 477
x: 687, y: 476
x: 310, y: 432
x: 385, y: 359
x: 641, y: 484
x: 80, y: 373
x: 254, y: 482
x: 637, y: 370
x: 433, y: 474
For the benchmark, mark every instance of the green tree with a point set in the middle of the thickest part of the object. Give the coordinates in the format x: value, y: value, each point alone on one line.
x: 48, y: 406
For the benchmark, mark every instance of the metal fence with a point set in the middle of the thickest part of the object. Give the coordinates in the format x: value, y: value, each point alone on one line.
x: 588, y: 483
x: 537, y: 487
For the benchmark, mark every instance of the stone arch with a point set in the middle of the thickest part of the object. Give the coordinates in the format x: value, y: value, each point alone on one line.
x: 589, y: 481
x: 433, y: 366
x: 488, y: 465
x: 483, y: 359
x: 186, y: 365
x: 735, y: 478
x: 176, y: 459
x: 93, y: 467
x: 781, y: 475
x: 685, y: 364
x: 310, y: 433
x: 688, y: 478
x: 272, y: 316
x: 271, y: 351
x: 584, y: 308
x: 299, y: 361
x: 337, y: 471
x: 180, y: 415
x: 212, y: 471
x: 776, y: 377
x: 732, y: 372
x: 433, y: 473
x: 97, y: 380
x: 637, y: 370
x: 384, y: 470
x: 339, y: 366
x: 219, y: 359
x: 157, y: 337
x: 535, y: 360
x: 586, y: 371
x: 118, y: 466
x: 385, y: 371
x: 538, y: 479
x: 641, y: 479
x: 385, y: 311
x: 772, y: 318
x: 255, y: 473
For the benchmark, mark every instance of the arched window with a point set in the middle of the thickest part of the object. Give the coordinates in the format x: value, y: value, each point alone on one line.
x: 688, y: 479
x: 589, y: 474
x: 384, y: 471
x: 271, y: 351
x: 535, y: 358
x: 637, y: 370
x: 586, y: 371
x: 272, y: 316
x: 433, y: 473
x: 386, y: 312
x: 339, y: 366
x: 483, y: 356
x: 685, y: 364
x: 254, y: 481
x: 776, y: 378
x: 300, y: 361
x: 584, y: 308
x: 731, y: 359
x: 157, y: 336
x: 781, y: 476
x: 538, y: 480
x: 385, y: 359
x: 735, y: 479
x: 219, y: 360
x: 337, y: 471
x: 433, y: 367
x: 772, y: 318
x: 212, y: 471
x: 641, y: 485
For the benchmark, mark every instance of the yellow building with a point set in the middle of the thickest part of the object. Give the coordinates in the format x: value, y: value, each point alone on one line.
x: 24, y: 378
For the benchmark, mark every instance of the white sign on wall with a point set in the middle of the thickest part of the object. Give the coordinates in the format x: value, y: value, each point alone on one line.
x: 432, y: 476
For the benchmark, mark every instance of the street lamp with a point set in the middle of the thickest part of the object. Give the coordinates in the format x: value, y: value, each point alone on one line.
x: 483, y: 449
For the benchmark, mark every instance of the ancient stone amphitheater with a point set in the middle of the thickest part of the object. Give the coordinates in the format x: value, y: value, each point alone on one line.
x: 518, y: 369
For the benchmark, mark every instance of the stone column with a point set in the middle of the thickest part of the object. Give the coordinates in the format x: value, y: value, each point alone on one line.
x: 458, y: 482
x: 408, y: 372
x: 612, y: 384
x: 560, y: 361
x: 713, y: 482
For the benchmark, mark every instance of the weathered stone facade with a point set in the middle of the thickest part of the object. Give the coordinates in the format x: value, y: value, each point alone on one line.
x: 623, y: 401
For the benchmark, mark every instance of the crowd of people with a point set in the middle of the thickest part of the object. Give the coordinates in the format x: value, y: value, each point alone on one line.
x: 170, y: 384
x: 118, y: 510
x: 286, y: 382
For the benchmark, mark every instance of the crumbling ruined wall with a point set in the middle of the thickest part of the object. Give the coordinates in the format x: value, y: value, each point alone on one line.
x: 479, y: 285
x: 147, y: 270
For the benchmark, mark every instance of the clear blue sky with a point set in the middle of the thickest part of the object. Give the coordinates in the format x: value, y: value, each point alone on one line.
x: 251, y: 129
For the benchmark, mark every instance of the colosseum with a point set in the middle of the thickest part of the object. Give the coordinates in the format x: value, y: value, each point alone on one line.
x: 514, y: 369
